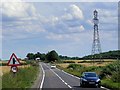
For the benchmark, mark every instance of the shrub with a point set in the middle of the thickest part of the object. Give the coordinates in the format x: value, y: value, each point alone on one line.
x: 116, y: 77
x: 111, y: 69
x: 68, y: 62
x: 73, y: 66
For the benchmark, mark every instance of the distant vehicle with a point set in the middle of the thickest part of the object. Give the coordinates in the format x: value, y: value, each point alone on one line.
x: 90, y: 79
x: 53, y: 66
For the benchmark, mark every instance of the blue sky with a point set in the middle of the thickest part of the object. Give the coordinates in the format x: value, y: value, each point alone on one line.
x: 62, y: 26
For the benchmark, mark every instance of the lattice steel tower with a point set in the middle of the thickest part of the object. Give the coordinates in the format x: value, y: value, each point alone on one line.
x: 96, y: 47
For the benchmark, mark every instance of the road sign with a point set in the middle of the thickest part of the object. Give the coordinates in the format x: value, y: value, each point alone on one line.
x: 14, y: 61
x: 14, y: 69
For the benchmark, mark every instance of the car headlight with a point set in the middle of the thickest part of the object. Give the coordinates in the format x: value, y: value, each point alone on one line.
x: 84, y: 79
x: 98, y: 80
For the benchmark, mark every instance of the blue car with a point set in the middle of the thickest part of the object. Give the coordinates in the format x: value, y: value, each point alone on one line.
x: 90, y: 79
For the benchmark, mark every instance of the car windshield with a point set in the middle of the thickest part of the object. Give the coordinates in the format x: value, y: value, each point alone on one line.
x: 90, y: 75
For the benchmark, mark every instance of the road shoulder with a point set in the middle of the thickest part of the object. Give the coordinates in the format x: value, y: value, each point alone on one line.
x: 38, y: 80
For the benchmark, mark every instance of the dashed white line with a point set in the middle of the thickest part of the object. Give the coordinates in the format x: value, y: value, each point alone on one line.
x: 60, y: 78
x: 41, y: 85
x: 69, y: 74
x: 79, y: 78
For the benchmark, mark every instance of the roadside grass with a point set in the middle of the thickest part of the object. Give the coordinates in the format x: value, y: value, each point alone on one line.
x: 24, y: 78
x: 109, y: 74
x: 110, y: 84
x: 0, y: 82
x: 6, y: 69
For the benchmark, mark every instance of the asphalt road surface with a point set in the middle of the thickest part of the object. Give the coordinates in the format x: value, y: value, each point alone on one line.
x: 59, y: 80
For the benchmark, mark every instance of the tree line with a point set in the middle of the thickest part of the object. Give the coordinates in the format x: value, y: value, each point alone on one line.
x: 53, y: 56
x: 105, y: 55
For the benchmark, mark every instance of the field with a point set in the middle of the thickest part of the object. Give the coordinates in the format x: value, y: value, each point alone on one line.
x: 24, y: 78
x: 6, y: 69
x: 86, y: 63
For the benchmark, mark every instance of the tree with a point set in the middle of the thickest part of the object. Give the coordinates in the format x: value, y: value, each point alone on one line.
x: 37, y: 55
x: 52, y: 56
x: 43, y: 56
x: 30, y: 56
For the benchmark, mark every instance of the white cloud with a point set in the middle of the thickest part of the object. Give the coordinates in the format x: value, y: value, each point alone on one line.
x: 73, y: 12
x: 107, y: 16
x: 54, y: 36
x: 74, y: 34
x: 76, y: 29
x: 90, y: 22
x: 17, y: 9
x: 76, y: 11
x: 23, y: 19
x: 82, y: 28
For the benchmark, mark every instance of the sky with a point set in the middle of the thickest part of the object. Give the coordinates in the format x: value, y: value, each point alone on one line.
x: 67, y: 27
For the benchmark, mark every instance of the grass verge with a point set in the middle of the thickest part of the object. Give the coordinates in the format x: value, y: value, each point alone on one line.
x: 77, y: 71
x: 24, y: 78
x: 110, y: 84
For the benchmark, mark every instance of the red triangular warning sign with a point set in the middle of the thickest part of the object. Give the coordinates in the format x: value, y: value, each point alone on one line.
x: 14, y: 61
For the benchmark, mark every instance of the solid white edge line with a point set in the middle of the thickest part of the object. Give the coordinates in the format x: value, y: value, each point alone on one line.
x: 41, y: 85
x: 104, y: 88
x: 60, y: 78
x: 79, y: 78
x: 69, y: 74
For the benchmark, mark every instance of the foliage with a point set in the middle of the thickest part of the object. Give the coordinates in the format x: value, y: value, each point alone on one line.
x: 68, y: 58
x: 52, y: 56
x: 109, y: 74
x: 24, y: 78
x: 116, y: 77
x: 68, y: 62
x: 105, y: 55
x: 111, y: 70
x: 30, y: 56
x: 33, y: 63
x: 110, y: 84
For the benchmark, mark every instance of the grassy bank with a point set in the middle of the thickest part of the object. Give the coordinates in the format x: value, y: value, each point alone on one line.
x: 24, y: 78
x: 110, y: 84
x: 110, y: 74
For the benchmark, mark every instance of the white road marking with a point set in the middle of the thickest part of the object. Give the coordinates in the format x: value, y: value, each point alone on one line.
x: 79, y: 78
x: 41, y: 85
x: 69, y: 74
x: 60, y: 78
x: 104, y: 88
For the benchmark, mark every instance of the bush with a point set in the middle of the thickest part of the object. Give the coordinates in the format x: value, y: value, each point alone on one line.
x: 68, y: 62
x: 110, y: 84
x: 32, y: 62
x: 75, y: 66
x: 111, y: 69
x: 116, y: 77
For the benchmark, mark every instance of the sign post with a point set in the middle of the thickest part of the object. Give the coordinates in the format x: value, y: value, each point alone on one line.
x: 13, y: 62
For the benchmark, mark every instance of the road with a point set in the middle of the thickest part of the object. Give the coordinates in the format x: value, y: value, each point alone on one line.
x: 55, y: 79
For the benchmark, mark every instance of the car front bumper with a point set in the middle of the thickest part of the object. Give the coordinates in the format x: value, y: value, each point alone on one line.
x: 91, y: 83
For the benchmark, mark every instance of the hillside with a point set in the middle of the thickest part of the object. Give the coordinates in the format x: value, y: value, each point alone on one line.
x: 105, y: 55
